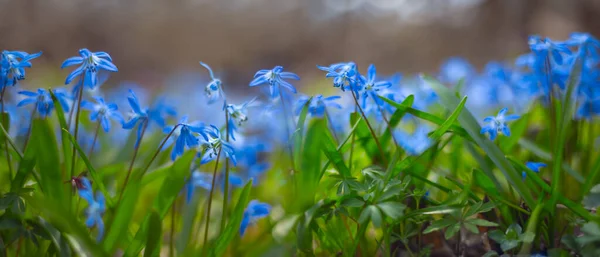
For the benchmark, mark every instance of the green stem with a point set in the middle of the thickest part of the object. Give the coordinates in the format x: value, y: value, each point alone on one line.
x: 531, y: 228
x: 226, y: 186
x: 158, y: 150
x: 387, y: 122
x: 370, y: 128
x: 171, y: 248
x: 135, y: 152
x: 32, y: 116
x: 94, y: 141
x: 74, y: 153
x: 287, y: 129
x: 210, y: 198
x: 6, y: 138
x: 11, y: 142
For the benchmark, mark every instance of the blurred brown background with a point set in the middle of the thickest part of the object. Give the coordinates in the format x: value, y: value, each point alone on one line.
x: 150, y: 39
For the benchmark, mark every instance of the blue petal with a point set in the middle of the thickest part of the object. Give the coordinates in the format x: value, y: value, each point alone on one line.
x: 71, y: 61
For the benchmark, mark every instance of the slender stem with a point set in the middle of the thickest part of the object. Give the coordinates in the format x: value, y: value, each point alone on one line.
x: 226, y: 192
x: 352, y: 146
x: 331, y: 127
x: 348, y: 229
x: 387, y: 122
x: 287, y: 129
x: 7, y: 154
x: 158, y: 151
x: 74, y: 153
x: 30, y: 126
x: 135, y: 152
x: 210, y: 198
x: 94, y: 141
x: 171, y: 248
x: 11, y: 142
x: 370, y: 127
x: 19, y: 246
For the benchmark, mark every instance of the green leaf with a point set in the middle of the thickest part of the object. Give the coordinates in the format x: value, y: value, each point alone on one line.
x: 428, y: 117
x: 394, y: 210
x: 66, y: 148
x: 482, y: 223
x: 439, y: 224
x: 352, y: 202
x: 95, y: 175
x: 56, y: 238
x: 439, y: 132
x: 233, y: 225
x: 122, y: 217
x: 5, y: 122
x: 372, y: 213
x: 471, y: 227
x: 25, y: 168
x: 335, y: 157
x: 310, y: 165
x: 153, y: 241
x: 452, y: 230
x: 299, y: 131
x: 395, y: 120
x: 167, y: 194
x: 47, y: 159
x: 303, y: 228
x: 471, y: 125
x: 546, y: 156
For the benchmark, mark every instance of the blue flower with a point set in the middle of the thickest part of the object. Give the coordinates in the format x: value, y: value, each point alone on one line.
x: 274, y: 78
x: 63, y: 98
x: 159, y: 111
x: 253, y: 212
x: 102, y: 111
x: 546, y: 48
x: 91, y: 63
x: 371, y: 87
x: 238, y: 115
x: 96, y: 207
x: 344, y: 74
x: 454, y: 69
x: 136, y: 115
x: 184, y: 136
x: 12, y: 66
x: 41, y: 99
x: 213, y: 144
x: 587, y: 43
x: 317, y: 104
x: 415, y: 143
x: 498, y: 124
x: 213, y: 89
x: 534, y: 166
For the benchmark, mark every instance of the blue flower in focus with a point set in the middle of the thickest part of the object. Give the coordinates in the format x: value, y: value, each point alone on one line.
x: 415, y: 143
x: 238, y: 115
x: 498, y: 124
x: 213, y: 90
x: 91, y: 63
x: 344, y: 75
x: 42, y: 100
x: 371, y: 87
x: 213, y: 144
x: 317, y: 104
x: 534, y: 166
x: 275, y: 78
x: 136, y: 115
x: 96, y: 207
x: 12, y: 66
x: 102, y: 111
x: 184, y: 135
x: 253, y: 212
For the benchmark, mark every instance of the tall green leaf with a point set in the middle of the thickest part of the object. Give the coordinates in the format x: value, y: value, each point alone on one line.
x: 470, y: 124
x: 66, y: 147
x: 167, y: 194
x: 153, y: 241
x: 47, y: 159
x: 395, y: 120
x: 122, y: 217
x: 25, y: 167
x: 439, y: 132
x: 299, y: 131
x: 233, y: 225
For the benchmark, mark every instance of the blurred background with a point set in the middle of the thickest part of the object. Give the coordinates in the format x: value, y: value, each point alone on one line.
x: 152, y: 41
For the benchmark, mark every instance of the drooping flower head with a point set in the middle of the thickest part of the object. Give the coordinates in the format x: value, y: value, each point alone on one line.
x: 497, y: 124
x: 42, y: 100
x: 96, y: 207
x: 185, y: 135
x: 102, y: 112
x: 274, y: 78
x: 238, y: 115
x: 213, y: 144
x: 255, y: 210
x: 90, y: 64
x: 213, y: 89
x: 534, y: 166
x: 12, y: 66
x: 344, y: 74
x: 317, y: 104
x: 137, y: 115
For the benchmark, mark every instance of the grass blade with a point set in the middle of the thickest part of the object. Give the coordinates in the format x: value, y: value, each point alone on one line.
x: 154, y: 235
x: 234, y: 223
